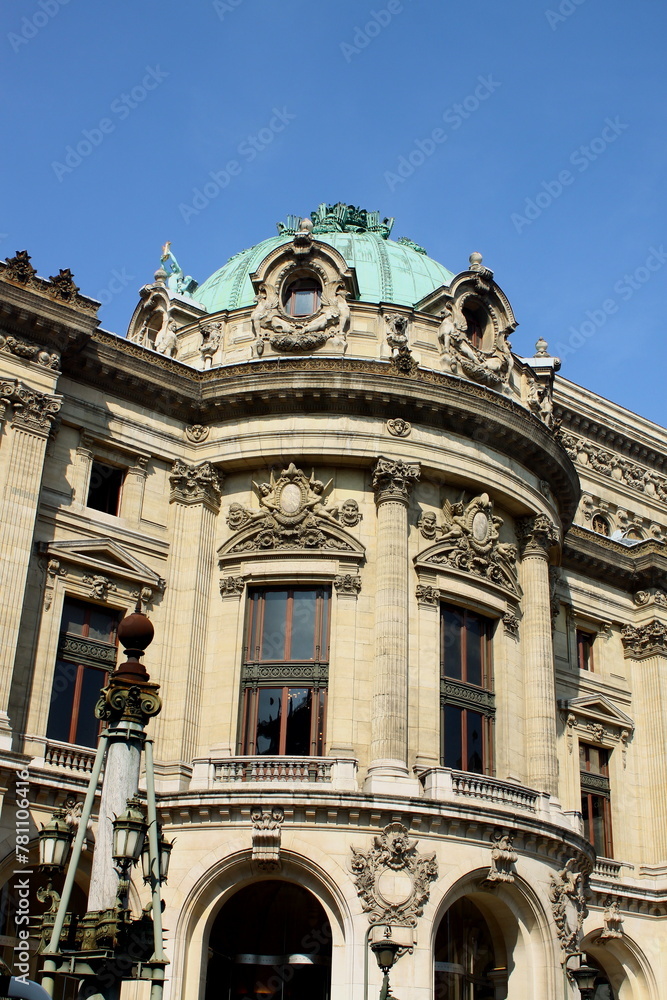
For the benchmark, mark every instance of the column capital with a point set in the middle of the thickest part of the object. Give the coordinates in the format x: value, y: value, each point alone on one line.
x: 393, y: 480
x: 536, y: 535
x: 196, y: 484
x: 644, y: 640
x: 34, y: 411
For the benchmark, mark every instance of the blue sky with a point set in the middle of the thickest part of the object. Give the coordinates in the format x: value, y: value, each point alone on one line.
x: 548, y: 154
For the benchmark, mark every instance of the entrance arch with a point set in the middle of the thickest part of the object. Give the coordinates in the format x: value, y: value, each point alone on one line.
x: 466, y: 964
x: 270, y: 939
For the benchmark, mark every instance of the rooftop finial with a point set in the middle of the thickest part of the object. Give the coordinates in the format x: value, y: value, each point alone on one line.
x: 306, y: 226
x: 475, y: 259
x: 541, y: 348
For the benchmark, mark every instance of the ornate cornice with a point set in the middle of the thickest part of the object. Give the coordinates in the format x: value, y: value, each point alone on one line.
x: 33, y: 411
x: 594, y: 450
x: 644, y: 641
x: 19, y: 271
x: 196, y: 484
x: 393, y: 480
x: 638, y: 567
x: 536, y: 535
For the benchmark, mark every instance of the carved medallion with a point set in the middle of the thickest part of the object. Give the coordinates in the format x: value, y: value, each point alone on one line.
x: 291, y: 514
x: 392, y: 880
x: 468, y: 539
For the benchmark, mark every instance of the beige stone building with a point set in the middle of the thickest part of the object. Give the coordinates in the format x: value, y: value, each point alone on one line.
x: 409, y: 593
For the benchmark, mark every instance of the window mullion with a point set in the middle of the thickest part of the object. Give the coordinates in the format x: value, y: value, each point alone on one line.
x: 76, y: 703
x: 284, y: 707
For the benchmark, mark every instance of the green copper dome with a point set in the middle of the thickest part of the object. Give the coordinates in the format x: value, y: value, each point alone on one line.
x: 387, y: 271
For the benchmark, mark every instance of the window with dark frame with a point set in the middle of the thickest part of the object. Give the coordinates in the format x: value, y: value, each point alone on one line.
x: 302, y: 297
x: 86, y: 653
x: 595, y: 797
x: 600, y: 524
x: 285, y: 672
x: 475, y: 327
x: 105, y: 488
x: 585, y: 642
x: 467, y: 703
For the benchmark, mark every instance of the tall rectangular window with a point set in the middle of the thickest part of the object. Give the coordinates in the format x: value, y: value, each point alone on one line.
x: 595, y: 797
x: 285, y: 671
x: 585, y: 642
x: 105, y: 487
x: 86, y: 654
x: 466, y: 690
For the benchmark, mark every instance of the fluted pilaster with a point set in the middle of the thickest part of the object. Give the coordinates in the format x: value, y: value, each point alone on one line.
x: 32, y: 417
x: 195, y: 496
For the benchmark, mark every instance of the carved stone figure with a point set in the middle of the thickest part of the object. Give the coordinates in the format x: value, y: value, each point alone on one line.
x: 349, y: 513
x: 100, y: 586
x: 399, y: 427
x: 460, y: 356
x: 211, y: 334
x: 397, y: 334
x: 166, y: 341
x: 540, y: 401
x: 152, y: 317
x: 613, y: 922
x: 392, y: 880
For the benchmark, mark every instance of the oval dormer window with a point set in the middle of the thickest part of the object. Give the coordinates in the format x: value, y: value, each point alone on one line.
x: 302, y: 297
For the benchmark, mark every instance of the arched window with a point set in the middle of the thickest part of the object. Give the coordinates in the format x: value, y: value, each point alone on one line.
x: 302, y: 297
x: 464, y: 955
x: 271, y: 939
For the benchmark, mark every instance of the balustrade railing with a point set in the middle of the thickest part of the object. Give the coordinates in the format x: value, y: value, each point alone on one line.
x: 306, y: 769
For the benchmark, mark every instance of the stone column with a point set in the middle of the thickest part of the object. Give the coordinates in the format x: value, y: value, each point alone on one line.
x: 392, y: 481
x: 32, y: 419
x: 647, y: 645
x: 195, y: 495
x: 536, y: 536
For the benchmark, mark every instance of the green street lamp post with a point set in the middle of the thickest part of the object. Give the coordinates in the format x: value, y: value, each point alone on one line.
x: 108, y: 946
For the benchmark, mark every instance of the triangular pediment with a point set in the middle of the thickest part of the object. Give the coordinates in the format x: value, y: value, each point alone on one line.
x: 601, y: 709
x: 101, y: 555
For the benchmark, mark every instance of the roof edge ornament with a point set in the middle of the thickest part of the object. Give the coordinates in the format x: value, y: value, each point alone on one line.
x: 339, y: 218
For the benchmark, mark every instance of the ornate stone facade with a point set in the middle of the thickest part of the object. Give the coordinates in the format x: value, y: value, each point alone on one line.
x: 384, y: 706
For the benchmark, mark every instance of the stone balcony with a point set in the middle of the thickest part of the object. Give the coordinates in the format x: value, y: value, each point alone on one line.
x: 335, y: 773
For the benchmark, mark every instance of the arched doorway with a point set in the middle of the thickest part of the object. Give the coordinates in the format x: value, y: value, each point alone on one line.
x: 603, y: 987
x: 465, y: 960
x: 272, y: 939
